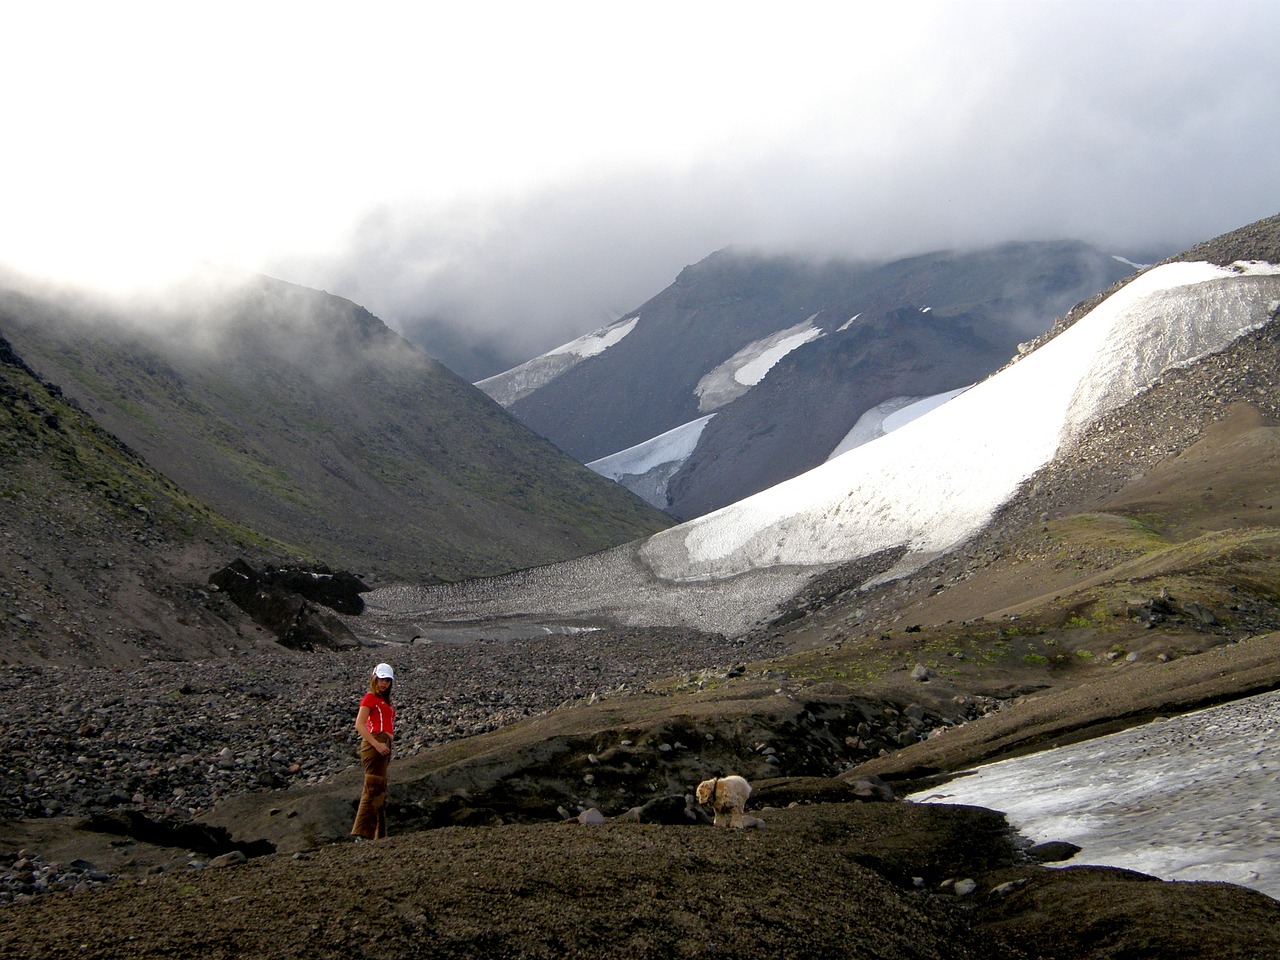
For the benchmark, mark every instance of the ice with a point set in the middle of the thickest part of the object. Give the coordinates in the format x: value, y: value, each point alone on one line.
x: 1194, y: 797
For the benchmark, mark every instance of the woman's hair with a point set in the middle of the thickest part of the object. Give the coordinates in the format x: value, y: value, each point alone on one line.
x: 373, y: 688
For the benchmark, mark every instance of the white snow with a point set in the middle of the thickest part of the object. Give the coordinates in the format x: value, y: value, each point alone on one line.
x: 674, y: 446
x: 848, y: 323
x: 598, y: 342
x: 752, y: 373
x: 510, y: 385
x: 748, y: 366
x: 936, y: 481
x: 889, y: 416
x: 1195, y: 797
x: 1129, y: 263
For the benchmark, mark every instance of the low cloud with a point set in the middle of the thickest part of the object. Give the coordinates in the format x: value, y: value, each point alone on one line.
x: 497, y: 185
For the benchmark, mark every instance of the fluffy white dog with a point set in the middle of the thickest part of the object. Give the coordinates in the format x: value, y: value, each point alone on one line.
x: 727, y: 797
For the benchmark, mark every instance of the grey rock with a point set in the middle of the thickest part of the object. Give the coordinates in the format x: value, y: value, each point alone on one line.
x: 920, y: 673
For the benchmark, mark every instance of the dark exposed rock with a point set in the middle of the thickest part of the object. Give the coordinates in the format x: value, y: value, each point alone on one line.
x: 211, y: 841
x: 1052, y: 851
x: 284, y: 602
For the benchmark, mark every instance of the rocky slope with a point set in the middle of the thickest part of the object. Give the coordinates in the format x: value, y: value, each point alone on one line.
x: 102, y: 560
x: 302, y: 416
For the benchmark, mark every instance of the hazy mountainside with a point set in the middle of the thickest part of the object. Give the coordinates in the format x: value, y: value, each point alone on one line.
x: 301, y: 415
x: 788, y: 354
x: 102, y: 560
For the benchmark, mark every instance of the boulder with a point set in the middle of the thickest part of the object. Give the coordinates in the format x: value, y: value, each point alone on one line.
x: 275, y: 600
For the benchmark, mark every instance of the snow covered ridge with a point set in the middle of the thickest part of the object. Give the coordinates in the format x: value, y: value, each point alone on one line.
x: 937, y: 480
x: 509, y: 386
x: 646, y: 468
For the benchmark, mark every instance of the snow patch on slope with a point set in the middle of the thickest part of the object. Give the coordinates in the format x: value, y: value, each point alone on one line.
x: 1129, y: 263
x: 511, y: 385
x: 674, y: 445
x: 645, y: 468
x: 1195, y: 797
x: 889, y: 416
x: 749, y: 365
x: 936, y: 481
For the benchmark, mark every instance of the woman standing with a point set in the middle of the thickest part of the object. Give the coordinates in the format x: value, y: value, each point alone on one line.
x: 375, y: 722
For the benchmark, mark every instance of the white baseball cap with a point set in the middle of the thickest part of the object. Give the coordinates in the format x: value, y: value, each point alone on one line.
x: 383, y: 671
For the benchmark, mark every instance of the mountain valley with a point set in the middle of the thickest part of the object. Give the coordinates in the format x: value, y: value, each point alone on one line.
x: 1132, y: 575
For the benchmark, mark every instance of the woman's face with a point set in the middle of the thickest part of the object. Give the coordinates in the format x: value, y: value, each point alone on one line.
x: 383, y: 684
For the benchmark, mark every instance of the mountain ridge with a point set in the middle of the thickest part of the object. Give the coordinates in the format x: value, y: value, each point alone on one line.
x: 783, y: 407
x: 303, y: 416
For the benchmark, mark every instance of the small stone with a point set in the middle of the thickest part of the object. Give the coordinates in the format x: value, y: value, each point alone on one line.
x: 922, y: 674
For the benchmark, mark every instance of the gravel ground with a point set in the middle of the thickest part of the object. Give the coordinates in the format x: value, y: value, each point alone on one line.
x: 173, y: 738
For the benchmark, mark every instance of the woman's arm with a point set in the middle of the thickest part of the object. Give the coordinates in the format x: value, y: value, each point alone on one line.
x: 362, y: 728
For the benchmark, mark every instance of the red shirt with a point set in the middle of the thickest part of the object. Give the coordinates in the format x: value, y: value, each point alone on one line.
x: 382, y: 715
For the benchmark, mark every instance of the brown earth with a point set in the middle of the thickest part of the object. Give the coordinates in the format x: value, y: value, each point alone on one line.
x: 820, y: 880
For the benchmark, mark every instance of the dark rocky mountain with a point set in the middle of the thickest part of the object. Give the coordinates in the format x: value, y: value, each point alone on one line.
x: 858, y: 335
x: 301, y: 416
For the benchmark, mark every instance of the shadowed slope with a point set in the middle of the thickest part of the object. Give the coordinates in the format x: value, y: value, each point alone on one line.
x: 303, y: 415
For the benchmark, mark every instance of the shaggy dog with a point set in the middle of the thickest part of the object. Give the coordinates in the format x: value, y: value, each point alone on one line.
x: 727, y: 796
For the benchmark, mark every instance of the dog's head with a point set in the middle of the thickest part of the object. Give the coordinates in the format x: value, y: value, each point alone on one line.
x: 705, y: 790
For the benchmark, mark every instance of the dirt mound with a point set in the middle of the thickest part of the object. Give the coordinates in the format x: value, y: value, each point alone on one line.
x: 823, y: 880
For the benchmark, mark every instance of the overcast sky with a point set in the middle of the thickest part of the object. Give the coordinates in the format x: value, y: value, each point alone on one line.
x: 529, y: 171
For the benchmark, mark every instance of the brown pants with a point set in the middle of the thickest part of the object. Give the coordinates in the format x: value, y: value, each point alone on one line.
x: 371, y: 816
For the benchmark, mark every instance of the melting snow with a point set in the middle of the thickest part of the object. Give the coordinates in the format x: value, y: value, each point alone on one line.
x: 927, y: 486
x: 597, y: 342
x: 1195, y: 797
x: 889, y: 416
x: 1130, y: 263
x: 511, y: 385
x: 674, y: 446
x: 748, y: 366
x: 647, y: 468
